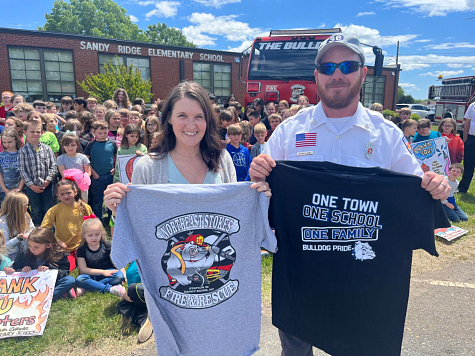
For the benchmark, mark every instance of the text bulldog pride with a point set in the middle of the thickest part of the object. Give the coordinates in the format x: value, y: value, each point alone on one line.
x: 354, y: 220
x: 199, y: 259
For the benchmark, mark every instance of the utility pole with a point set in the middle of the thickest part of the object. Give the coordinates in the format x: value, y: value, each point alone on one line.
x: 396, y: 80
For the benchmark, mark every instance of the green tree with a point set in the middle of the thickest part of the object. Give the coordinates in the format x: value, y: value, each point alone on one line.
x: 105, y: 18
x: 102, y: 86
x: 404, y: 99
x: 161, y: 33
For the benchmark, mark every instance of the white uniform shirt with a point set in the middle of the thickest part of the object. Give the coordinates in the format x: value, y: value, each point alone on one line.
x: 367, y: 140
x: 470, y: 115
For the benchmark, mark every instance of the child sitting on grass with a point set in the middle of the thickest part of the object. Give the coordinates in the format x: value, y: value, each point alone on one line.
x: 453, y: 211
x: 96, y: 270
x: 44, y: 253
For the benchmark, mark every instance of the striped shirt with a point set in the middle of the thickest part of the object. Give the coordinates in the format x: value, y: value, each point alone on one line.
x: 36, y: 167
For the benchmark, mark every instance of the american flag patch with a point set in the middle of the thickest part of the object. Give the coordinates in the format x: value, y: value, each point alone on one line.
x: 306, y: 139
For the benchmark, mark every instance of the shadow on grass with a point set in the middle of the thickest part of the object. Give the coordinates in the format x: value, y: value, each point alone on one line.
x: 466, y: 198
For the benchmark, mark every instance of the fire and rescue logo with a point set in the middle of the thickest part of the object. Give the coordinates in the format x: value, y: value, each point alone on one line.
x: 198, y: 260
x: 296, y: 90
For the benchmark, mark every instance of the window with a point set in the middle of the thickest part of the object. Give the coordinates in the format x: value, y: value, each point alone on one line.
x: 215, y: 78
x: 46, y: 74
x: 373, y: 92
x: 140, y: 63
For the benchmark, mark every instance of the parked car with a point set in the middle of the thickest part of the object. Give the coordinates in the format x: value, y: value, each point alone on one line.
x: 423, y: 111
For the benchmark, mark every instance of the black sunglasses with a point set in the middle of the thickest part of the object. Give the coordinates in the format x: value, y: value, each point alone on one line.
x: 345, y: 67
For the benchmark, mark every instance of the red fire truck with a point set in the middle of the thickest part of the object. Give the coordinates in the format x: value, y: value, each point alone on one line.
x: 281, y: 66
x: 453, y: 98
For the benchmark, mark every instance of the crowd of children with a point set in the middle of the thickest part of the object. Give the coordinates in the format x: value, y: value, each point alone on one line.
x: 421, y: 130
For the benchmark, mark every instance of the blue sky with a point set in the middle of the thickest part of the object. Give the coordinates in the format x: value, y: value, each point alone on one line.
x: 434, y: 35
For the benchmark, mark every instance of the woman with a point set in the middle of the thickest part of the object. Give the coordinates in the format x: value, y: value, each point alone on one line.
x: 121, y: 99
x: 7, y: 105
x: 189, y: 151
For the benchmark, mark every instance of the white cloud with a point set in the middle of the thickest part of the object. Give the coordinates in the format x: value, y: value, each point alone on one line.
x: 451, y: 45
x: 433, y: 7
x: 409, y: 86
x: 207, y: 24
x: 241, y: 47
x: 322, y: 25
x: 444, y: 73
x: 422, y: 41
x: 365, y: 13
x: 163, y: 8
x: 216, y: 3
x: 373, y: 37
x: 133, y: 18
x: 419, y: 62
x: 458, y: 65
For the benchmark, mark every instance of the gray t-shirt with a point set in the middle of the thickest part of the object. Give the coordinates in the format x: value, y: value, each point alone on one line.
x: 198, y: 252
x: 77, y: 162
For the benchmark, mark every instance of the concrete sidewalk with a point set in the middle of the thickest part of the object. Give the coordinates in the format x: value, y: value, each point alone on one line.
x: 440, y: 317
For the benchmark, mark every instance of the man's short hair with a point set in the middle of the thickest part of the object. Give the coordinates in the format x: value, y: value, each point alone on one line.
x: 138, y: 101
x: 424, y: 123
x: 147, y: 111
x: 80, y: 101
x: 260, y: 129
x: 255, y: 114
x: 234, y: 129
x: 23, y: 107
x: 100, y: 125
x: 9, y: 114
x: 225, y: 116
x: 456, y: 165
x: 38, y: 103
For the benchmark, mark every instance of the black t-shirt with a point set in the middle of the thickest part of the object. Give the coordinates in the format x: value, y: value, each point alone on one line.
x: 345, y: 239
x: 100, y: 259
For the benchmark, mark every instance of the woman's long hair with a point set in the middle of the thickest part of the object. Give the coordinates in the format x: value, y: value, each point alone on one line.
x: 210, y: 145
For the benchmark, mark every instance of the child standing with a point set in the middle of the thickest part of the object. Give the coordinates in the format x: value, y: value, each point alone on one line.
x: 87, y: 119
x: 52, y: 126
x: 151, y: 125
x: 10, y: 179
x: 154, y: 139
x: 453, y: 211
x: 99, y: 112
x: 260, y: 133
x: 130, y: 145
x: 274, y: 121
x: 225, y: 119
x: 246, y: 133
x: 96, y: 270
x: 101, y: 152
x: 239, y: 153
x: 448, y: 129
x: 44, y: 253
x: 17, y: 124
x: 254, y: 119
x: 37, y: 165
x: 72, y: 159
x: 409, y: 129
x: 67, y: 216
x: 15, y: 222
x: 112, y: 117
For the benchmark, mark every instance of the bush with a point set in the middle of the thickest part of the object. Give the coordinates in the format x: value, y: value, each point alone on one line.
x: 415, y: 117
x: 102, y: 86
x: 388, y: 112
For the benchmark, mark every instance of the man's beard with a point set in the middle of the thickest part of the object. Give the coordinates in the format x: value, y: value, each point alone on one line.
x: 337, y: 100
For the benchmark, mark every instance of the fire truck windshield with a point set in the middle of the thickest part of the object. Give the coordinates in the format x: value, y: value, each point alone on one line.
x: 286, y: 60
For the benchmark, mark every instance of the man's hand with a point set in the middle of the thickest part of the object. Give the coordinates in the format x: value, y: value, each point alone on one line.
x: 261, y: 167
x: 436, y: 185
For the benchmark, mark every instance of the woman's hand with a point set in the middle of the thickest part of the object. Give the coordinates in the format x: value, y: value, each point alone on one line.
x: 262, y: 187
x: 43, y: 268
x: 113, y: 195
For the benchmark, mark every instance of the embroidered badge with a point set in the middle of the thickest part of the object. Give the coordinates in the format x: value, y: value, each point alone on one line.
x: 306, y: 139
x: 369, y: 150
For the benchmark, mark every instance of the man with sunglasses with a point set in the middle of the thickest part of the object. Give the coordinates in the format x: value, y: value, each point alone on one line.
x: 340, y: 130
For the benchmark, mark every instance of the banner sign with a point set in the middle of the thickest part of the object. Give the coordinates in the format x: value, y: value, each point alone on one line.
x: 25, y: 301
x: 433, y: 155
x: 126, y: 167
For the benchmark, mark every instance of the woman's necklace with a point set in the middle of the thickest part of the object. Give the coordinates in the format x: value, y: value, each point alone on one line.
x: 178, y: 153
